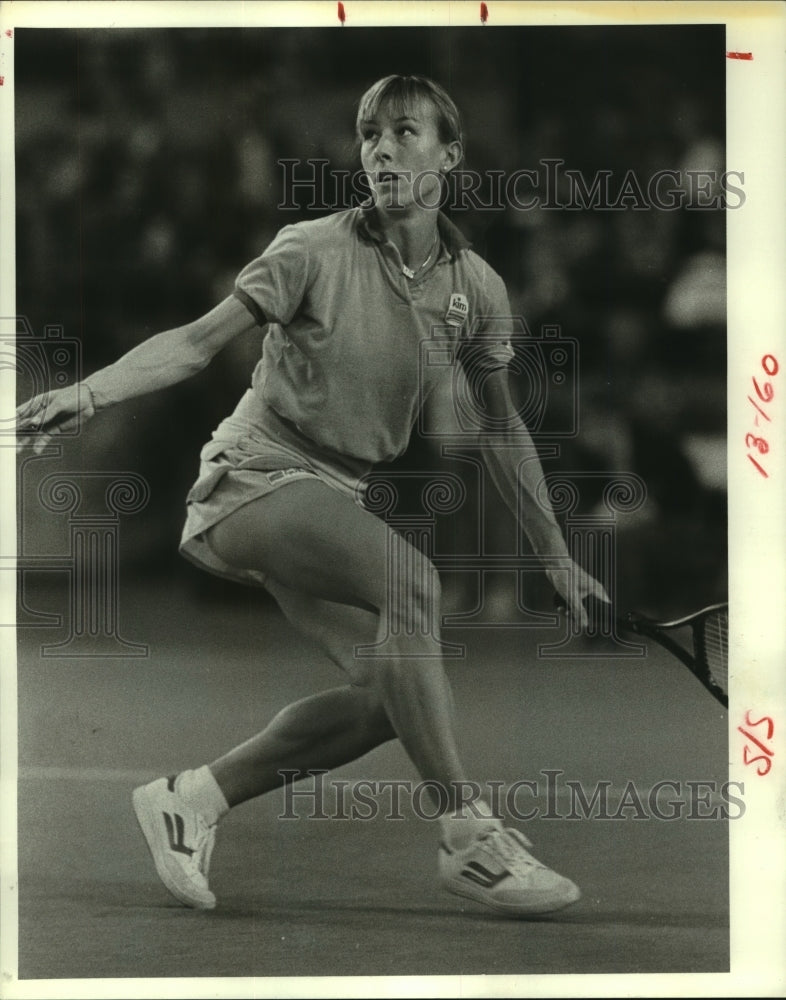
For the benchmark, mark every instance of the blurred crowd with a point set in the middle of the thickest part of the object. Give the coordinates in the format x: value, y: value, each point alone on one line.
x: 148, y: 173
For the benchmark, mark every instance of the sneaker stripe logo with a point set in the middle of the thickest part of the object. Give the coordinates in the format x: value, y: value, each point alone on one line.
x: 475, y: 872
x: 175, y: 831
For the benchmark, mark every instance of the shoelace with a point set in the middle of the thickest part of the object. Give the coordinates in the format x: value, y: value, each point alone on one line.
x: 510, y: 846
x: 205, y: 842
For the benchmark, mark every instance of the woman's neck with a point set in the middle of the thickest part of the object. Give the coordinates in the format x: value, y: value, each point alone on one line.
x: 414, y: 234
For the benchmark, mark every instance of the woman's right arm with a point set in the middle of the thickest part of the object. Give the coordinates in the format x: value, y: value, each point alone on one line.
x: 161, y: 361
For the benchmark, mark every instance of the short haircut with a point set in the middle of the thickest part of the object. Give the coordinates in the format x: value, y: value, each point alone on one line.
x: 401, y: 93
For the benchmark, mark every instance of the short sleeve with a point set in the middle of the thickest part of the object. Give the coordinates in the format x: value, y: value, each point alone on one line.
x: 493, y: 325
x: 272, y: 286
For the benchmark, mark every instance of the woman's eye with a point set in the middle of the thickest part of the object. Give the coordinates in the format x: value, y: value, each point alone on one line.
x: 368, y: 133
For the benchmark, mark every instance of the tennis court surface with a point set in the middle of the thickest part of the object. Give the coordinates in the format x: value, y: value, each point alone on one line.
x: 335, y: 897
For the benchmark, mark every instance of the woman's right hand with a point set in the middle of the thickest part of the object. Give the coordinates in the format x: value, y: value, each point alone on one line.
x: 50, y: 413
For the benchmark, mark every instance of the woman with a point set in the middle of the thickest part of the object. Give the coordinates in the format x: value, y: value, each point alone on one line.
x: 347, y: 300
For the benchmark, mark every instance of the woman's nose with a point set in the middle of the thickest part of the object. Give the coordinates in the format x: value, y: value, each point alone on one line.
x: 383, y: 147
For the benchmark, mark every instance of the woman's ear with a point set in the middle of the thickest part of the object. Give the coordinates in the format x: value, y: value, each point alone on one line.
x: 451, y: 157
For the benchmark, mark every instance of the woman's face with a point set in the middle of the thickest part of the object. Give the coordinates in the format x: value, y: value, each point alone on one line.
x: 404, y: 157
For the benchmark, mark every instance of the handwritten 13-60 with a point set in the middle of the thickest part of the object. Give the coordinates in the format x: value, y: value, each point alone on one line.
x: 765, y: 393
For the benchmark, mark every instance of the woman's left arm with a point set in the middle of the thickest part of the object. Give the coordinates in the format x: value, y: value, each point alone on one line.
x: 514, y: 465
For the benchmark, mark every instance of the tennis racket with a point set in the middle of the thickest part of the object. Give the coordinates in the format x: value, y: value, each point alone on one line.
x: 704, y: 648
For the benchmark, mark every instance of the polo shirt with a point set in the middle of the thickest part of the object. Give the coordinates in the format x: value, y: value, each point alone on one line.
x: 343, y: 361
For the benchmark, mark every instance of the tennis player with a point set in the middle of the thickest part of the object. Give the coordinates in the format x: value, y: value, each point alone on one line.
x: 347, y: 301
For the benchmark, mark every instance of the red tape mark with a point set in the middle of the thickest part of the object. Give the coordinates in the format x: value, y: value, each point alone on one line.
x: 484, y: 13
x: 341, y: 14
x: 739, y: 55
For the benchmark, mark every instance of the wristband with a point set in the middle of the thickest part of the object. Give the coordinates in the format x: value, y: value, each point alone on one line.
x: 91, y: 394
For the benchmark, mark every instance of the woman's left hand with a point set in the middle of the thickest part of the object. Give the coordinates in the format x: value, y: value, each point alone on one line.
x: 574, y: 585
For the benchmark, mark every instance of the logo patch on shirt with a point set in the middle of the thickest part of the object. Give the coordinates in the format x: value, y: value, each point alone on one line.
x: 280, y: 474
x: 458, y: 310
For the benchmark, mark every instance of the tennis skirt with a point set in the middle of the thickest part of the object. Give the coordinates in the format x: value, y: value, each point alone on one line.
x: 243, y: 463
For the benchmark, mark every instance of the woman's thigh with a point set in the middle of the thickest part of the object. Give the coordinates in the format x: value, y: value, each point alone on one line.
x: 315, y: 541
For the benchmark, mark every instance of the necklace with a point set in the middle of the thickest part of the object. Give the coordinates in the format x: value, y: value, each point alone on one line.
x: 409, y: 273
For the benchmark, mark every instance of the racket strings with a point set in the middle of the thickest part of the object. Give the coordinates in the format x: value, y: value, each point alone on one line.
x: 715, y: 647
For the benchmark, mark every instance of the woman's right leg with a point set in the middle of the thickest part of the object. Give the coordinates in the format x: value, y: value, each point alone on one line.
x: 314, y: 540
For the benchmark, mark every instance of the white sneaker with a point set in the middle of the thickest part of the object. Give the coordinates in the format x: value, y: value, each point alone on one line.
x: 180, y: 842
x: 498, y: 870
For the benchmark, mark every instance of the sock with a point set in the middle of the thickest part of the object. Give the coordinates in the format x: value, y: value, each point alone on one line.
x: 460, y: 829
x: 202, y: 792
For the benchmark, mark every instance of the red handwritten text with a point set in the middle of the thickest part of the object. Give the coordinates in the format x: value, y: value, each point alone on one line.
x: 759, y: 741
x: 757, y: 445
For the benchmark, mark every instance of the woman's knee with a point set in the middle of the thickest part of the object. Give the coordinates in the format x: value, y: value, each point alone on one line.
x: 394, y: 670
x: 414, y: 601
x: 376, y: 723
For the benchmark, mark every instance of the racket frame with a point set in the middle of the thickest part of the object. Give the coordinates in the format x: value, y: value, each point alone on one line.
x: 658, y: 630
x: 651, y: 628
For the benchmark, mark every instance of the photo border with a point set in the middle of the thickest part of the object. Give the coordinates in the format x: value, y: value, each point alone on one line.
x: 756, y: 110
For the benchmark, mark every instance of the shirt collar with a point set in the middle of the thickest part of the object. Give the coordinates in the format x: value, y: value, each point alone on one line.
x: 453, y: 239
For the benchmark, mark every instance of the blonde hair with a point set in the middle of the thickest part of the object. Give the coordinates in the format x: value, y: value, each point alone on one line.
x: 400, y: 93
